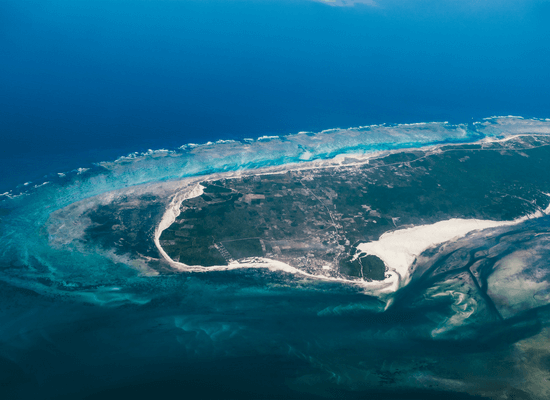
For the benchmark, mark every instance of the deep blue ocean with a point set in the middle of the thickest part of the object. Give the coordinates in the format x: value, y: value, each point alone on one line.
x: 84, y: 82
x: 88, y: 81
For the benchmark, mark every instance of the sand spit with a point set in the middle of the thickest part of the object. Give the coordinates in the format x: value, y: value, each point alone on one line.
x: 398, y: 249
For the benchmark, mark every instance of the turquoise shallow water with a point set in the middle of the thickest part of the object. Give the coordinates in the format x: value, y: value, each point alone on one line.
x: 88, y: 81
x: 85, y: 82
x: 78, y: 323
x: 26, y: 235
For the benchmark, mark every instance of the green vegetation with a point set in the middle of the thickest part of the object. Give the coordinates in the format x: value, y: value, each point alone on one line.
x: 313, y: 218
x: 243, y: 248
x: 368, y: 267
x: 373, y: 267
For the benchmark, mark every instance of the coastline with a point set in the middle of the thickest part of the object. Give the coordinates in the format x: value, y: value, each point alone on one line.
x: 163, y: 174
x: 398, y: 248
x: 295, y: 147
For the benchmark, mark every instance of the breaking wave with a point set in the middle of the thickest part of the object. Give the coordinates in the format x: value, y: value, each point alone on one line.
x: 34, y: 258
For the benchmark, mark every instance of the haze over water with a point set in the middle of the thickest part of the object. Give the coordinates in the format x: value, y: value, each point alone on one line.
x: 86, y: 82
x: 89, y: 81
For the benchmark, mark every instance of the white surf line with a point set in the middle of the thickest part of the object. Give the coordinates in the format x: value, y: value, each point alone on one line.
x: 365, y: 158
x: 384, y: 287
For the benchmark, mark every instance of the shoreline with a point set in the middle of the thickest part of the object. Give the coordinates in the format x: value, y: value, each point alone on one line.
x: 400, y: 264
x: 303, y: 146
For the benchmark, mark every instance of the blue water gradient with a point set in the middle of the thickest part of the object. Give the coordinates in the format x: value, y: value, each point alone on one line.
x: 86, y: 81
x: 78, y: 323
x: 25, y: 220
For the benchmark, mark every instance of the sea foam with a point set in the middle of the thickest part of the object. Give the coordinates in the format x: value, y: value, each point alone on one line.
x: 29, y: 209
